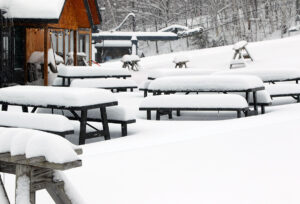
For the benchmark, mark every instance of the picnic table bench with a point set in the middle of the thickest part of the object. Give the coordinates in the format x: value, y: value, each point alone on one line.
x: 111, y: 84
x: 199, y: 84
x: 56, y: 124
x: 266, y: 75
x: 180, y: 61
x: 284, y: 90
x: 115, y: 114
x: 166, y: 104
x: 64, y: 98
x: 67, y: 73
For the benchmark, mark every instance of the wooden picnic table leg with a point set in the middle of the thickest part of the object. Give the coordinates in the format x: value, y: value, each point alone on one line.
x: 148, y: 114
x: 25, y: 109
x: 178, y: 113
x: 124, y: 129
x: 82, y: 131
x: 255, y: 100
x: 263, y: 110
x: 69, y: 81
x: 239, y: 114
x: 64, y: 81
x: 4, y: 107
x: 105, y: 123
x: 157, y: 115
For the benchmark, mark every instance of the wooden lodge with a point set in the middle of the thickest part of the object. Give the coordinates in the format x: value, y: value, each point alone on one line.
x: 29, y: 26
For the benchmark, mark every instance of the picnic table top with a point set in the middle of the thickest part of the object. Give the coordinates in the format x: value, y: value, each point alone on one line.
x: 266, y: 75
x: 59, y: 97
x: 210, y: 83
x: 103, y: 83
x: 158, y: 73
x: 91, y: 72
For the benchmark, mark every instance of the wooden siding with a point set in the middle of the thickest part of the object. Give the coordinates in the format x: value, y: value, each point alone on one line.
x: 34, y: 41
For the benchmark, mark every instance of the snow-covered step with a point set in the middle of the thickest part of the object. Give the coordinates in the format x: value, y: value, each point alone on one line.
x: 111, y: 84
x: 267, y: 75
x: 56, y: 124
x: 165, y: 104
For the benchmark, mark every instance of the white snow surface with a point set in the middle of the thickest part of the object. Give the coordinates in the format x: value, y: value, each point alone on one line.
x: 265, y: 74
x: 48, y: 122
x: 280, y: 89
x: 103, y: 83
x: 86, y: 71
x: 33, y: 9
x: 195, y: 101
x: 206, y: 83
x: 32, y: 143
x: 157, y: 73
x: 57, y: 96
x: 114, y: 43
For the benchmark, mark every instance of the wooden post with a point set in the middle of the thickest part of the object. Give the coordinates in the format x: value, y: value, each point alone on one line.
x: 23, y: 185
x: 2, y: 188
x: 90, y: 47
x: 75, y: 47
x: 64, y: 45
x: 46, y: 55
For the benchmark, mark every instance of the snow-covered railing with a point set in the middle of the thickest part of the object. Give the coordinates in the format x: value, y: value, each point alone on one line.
x: 36, y: 158
x: 266, y: 75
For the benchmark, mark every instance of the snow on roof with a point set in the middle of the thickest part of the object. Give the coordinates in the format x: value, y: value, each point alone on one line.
x: 114, y: 43
x: 206, y: 83
x: 33, y: 9
x: 32, y: 143
x: 173, y: 27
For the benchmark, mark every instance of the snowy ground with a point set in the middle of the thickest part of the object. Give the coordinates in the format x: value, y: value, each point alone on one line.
x: 200, y: 157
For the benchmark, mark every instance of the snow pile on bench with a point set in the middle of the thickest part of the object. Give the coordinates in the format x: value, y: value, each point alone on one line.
x: 206, y: 83
x: 117, y: 113
x: 103, y: 83
x: 86, y: 71
x: 237, y: 63
x: 130, y: 58
x: 32, y: 143
x: 266, y: 74
x: 240, y: 45
x: 204, y: 101
x: 181, y: 59
x: 46, y: 122
x: 57, y: 96
x: 37, y: 57
x: 283, y: 89
x: 158, y: 73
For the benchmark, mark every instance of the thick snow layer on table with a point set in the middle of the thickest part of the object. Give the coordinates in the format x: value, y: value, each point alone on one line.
x: 281, y: 89
x: 33, y: 9
x: 114, y: 43
x: 180, y: 58
x: 85, y: 71
x: 103, y: 83
x: 157, y: 73
x: 195, y: 101
x: 56, y: 96
x: 37, y: 57
x: 32, y: 143
x: 130, y: 58
x: 240, y: 45
x: 113, y: 113
x: 48, y: 122
x: 265, y: 74
x: 206, y: 83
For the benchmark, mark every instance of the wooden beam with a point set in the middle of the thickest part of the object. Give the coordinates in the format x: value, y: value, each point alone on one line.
x: 75, y: 46
x: 64, y: 45
x: 90, y: 47
x: 2, y: 188
x: 58, y: 193
x: 46, y: 55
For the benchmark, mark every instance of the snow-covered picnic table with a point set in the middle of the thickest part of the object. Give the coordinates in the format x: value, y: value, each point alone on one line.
x: 82, y: 72
x: 131, y: 62
x: 158, y: 73
x: 267, y: 75
x: 72, y: 99
x: 212, y: 83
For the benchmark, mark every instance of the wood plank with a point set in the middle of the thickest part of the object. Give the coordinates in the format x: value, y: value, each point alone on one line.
x: 58, y: 194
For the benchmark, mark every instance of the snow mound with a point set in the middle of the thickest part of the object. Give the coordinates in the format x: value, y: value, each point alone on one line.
x: 32, y: 143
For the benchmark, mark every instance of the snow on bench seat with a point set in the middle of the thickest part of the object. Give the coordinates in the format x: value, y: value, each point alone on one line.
x: 219, y: 102
x: 117, y: 84
x: 211, y: 83
x: 33, y: 143
x: 88, y: 71
x: 282, y: 90
x: 158, y: 73
x: 55, y: 96
x: 115, y: 114
x: 57, y: 124
x: 267, y: 75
